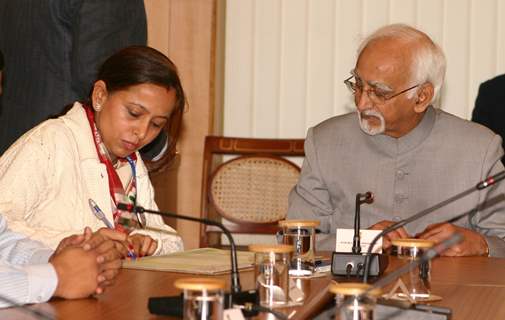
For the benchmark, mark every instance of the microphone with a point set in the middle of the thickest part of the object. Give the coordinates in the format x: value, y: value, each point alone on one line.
x: 159, y: 305
x: 36, y: 313
x: 360, y: 199
x: 347, y: 264
x: 480, y: 186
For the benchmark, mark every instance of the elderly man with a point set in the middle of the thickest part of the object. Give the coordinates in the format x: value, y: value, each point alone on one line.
x: 409, y: 154
x: 80, y: 266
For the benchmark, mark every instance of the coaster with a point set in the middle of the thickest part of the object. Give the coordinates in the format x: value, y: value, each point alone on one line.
x: 286, y: 305
x: 400, y: 296
x: 403, y: 294
x: 310, y: 276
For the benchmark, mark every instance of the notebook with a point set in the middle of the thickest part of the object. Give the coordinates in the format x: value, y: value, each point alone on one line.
x: 208, y: 261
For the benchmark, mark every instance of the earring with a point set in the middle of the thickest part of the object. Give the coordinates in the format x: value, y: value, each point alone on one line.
x: 97, y: 107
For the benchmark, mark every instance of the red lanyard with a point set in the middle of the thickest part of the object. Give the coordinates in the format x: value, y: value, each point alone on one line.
x: 115, y: 184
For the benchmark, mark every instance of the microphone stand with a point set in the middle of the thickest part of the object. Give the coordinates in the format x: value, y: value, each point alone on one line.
x: 480, y: 186
x: 352, y: 263
x: 236, y: 293
x: 356, y: 240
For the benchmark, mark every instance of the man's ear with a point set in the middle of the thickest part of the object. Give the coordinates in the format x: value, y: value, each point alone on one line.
x: 99, y: 95
x: 424, y: 95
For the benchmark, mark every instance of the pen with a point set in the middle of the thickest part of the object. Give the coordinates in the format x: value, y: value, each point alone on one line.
x: 131, y: 252
x: 99, y: 213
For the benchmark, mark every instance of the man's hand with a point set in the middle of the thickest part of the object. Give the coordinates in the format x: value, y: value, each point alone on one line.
x: 143, y: 245
x: 106, y: 245
x: 400, y: 233
x: 110, y: 247
x: 72, y: 241
x: 473, y: 244
x: 119, y: 240
x: 77, y: 272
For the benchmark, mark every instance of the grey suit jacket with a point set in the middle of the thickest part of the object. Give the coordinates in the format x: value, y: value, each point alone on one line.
x: 441, y: 157
x: 52, y: 51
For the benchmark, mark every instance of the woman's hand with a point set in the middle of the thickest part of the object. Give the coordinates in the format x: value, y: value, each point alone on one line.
x: 143, y: 245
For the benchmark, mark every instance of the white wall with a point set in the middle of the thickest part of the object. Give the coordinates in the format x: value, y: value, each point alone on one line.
x: 285, y: 60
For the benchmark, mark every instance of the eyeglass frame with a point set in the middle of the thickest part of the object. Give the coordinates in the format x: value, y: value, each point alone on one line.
x: 349, y: 85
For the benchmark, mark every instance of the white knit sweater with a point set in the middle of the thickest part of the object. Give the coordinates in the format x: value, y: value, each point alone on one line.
x: 48, y: 175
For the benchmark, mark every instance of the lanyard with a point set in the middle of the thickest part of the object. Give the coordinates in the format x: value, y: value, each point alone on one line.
x: 117, y: 191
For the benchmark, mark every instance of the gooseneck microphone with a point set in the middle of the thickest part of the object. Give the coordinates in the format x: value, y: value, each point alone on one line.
x: 480, y: 186
x: 236, y: 296
x: 235, y: 280
x: 352, y: 263
x: 361, y: 198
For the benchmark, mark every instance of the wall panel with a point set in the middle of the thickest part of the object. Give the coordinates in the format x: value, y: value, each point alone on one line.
x: 266, y: 64
x: 293, y: 67
x: 239, y: 68
x: 185, y: 31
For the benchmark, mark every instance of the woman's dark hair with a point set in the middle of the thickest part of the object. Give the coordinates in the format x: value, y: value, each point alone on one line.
x: 138, y: 65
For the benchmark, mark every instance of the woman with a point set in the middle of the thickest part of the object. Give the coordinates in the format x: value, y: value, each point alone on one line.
x: 58, y: 177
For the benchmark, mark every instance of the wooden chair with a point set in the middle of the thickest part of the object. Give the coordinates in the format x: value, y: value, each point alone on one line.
x: 248, y: 193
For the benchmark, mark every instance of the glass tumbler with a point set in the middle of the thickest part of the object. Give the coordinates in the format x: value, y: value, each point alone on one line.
x: 203, y: 298
x: 352, y: 303
x: 417, y: 281
x: 271, y: 269
x: 301, y: 234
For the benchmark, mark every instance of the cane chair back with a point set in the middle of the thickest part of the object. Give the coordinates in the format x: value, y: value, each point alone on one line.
x: 248, y: 193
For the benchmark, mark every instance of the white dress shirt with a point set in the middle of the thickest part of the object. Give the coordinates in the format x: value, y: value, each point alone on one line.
x: 25, y: 274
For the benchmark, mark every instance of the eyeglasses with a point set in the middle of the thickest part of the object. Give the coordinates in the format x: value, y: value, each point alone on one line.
x: 374, y: 94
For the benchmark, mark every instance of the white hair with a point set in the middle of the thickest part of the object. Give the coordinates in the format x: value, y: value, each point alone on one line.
x: 428, y: 63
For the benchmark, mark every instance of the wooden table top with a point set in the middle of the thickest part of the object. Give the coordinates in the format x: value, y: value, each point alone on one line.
x: 473, y: 287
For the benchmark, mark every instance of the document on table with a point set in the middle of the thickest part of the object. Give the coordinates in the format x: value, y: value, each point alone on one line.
x: 197, y: 261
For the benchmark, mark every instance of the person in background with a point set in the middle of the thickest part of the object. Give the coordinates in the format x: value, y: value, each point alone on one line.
x: 1, y: 74
x: 490, y: 107
x: 71, y: 172
x: 80, y: 266
x: 408, y: 153
x: 53, y: 49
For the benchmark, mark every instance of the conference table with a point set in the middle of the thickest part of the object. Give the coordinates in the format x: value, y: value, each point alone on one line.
x: 473, y: 287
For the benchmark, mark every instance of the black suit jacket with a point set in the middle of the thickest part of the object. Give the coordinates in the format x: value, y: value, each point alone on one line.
x: 490, y: 106
x: 52, y: 50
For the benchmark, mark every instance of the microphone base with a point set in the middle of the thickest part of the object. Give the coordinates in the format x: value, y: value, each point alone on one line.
x: 172, y: 306
x: 166, y: 306
x: 353, y: 265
